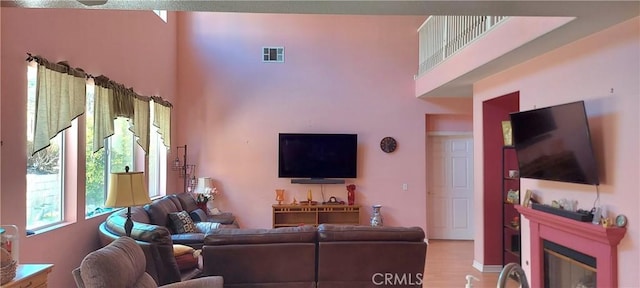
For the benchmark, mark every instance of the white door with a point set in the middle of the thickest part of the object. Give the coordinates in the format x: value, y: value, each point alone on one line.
x: 450, y: 187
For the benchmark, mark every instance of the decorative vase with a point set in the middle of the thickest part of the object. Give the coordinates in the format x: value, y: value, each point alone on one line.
x: 203, y: 206
x: 376, y: 218
x: 351, y: 194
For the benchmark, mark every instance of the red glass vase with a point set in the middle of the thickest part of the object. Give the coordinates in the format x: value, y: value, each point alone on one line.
x: 203, y: 206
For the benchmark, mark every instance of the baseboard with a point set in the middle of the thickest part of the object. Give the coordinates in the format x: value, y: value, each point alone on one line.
x: 487, y: 268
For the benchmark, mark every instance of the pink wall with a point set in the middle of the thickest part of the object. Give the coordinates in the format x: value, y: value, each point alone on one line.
x: 602, y: 70
x: 342, y: 74
x: 131, y: 47
x: 450, y: 122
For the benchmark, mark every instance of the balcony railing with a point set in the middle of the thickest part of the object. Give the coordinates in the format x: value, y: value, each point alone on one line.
x: 442, y: 36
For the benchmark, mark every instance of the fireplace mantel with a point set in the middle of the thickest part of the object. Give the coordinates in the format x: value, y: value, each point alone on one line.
x: 590, y: 239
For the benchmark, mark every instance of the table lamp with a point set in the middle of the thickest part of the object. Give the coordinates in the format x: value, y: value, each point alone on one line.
x: 126, y: 190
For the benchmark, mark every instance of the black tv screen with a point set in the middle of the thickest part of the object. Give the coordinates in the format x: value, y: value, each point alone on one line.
x: 303, y: 155
x: 554, y: 143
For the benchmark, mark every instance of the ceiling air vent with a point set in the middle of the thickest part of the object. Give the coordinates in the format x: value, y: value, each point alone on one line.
x: 273, y: 54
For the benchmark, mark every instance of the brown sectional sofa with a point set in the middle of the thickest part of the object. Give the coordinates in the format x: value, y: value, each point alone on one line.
x: 328, y: 256
x: 152, y: 231
x: 362, y: 256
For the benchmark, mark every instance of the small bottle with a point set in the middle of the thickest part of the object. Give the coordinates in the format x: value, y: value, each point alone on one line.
x: 469, y: 278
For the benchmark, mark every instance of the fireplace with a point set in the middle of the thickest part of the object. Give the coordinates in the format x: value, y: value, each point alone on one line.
x: 593, y: 241
x: 565, y: 267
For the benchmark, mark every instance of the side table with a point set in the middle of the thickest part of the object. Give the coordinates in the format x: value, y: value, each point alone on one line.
x: 30, y: 275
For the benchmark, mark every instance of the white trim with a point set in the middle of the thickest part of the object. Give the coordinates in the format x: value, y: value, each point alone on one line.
x: 424, y: 23
x: 450, y: 133
x: 487, y: 268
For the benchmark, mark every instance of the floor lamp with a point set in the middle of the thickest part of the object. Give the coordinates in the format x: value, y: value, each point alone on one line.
x: 126, y: 190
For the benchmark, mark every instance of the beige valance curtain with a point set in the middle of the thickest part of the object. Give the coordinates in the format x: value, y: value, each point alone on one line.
x: 103, y: 115
x: 162, y: 119
x: 116, y: 100
x: 140, y: 121
x: 60, y: 98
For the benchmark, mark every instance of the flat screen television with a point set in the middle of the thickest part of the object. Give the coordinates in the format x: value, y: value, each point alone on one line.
x: 317, y: 156
x: 554, y: 143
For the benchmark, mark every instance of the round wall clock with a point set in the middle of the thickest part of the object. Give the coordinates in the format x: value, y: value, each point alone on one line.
x: 621, y: 220
x: 388, y: 144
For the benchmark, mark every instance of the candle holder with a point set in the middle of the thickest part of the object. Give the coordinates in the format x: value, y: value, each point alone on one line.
x: 187, y: 171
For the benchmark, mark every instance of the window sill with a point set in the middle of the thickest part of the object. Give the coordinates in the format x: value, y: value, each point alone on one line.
x: 40, y: 231
x: 102, y: 211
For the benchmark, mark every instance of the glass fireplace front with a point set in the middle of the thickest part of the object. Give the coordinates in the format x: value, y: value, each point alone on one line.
x: 567, y: 268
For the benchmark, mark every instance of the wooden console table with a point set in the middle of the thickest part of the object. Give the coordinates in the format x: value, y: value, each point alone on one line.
x: 30, y: 275
x: 302, y: 214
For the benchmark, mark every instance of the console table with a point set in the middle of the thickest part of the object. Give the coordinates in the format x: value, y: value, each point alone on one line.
x: 295, y: 215
x: 30, y: 275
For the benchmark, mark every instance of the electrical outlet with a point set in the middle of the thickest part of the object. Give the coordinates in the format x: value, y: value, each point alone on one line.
x: 405, y: 187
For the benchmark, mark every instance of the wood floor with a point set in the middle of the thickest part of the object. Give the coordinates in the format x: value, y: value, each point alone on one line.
x: 449, y: 261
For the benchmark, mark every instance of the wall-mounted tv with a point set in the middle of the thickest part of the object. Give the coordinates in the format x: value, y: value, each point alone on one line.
x: 554, y: 143
x: 304, y: 155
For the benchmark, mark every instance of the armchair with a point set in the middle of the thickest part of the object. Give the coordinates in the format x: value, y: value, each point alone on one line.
x: 122, y: 264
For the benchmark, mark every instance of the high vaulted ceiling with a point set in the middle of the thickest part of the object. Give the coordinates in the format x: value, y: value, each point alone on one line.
x: 591, y: 16
x: 370, y: 7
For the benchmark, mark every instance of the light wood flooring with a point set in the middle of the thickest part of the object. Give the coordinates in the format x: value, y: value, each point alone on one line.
x: 449, y: 261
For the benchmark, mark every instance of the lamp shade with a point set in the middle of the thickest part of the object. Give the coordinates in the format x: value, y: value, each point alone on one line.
x: 126, y: 190
x: 205, y: 185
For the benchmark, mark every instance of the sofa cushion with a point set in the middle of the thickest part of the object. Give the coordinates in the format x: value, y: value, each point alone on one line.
x: 179, y: 249
x: 138, y: 214
x: 301, y: 234
x: 206, y: 227
x: 198, y: 215
x: 159, y: 210
x: 194, y: 240
x: 141, y: 231
x: 335, y: 232
x: 222, y: 218
x: 182, y: 223
x: 187, y: 201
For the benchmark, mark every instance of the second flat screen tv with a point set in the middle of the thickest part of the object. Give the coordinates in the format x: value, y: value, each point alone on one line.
x: 554, y: 143
x: 317, y: 156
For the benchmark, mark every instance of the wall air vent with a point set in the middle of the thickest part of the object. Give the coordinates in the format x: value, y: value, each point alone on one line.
x: 273, y: 54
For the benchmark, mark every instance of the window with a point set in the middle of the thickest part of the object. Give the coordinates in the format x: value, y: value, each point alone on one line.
x: 45, y: 170
x: 162, y: 14
x: 116, y: 154
x: 157, y: 171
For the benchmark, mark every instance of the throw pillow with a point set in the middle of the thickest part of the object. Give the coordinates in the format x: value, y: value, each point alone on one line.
x: 206, y: 227
x: 179, y: 249
x: 198, y: 215
x: 186, y: 261
x: 182, y: 223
